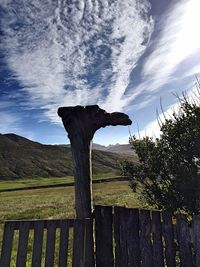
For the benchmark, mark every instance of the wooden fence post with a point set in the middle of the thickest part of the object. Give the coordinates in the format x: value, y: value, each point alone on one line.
x: 196, y: 238
x: 184, y: 240
x: 168, y: 233
x: 81, y: 123
x: 104, y: 236
x: 145, y: 239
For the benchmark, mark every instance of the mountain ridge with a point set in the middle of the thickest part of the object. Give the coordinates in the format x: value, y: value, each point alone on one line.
x: 24, y: 158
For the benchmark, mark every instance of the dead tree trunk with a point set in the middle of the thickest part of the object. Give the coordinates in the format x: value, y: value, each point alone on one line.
x: 81, y: 123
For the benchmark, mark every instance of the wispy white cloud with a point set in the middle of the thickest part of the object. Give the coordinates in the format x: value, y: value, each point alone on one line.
x: 178, y: 41
x: 11, y: 123
x: 8, y: 122
x: 78, y: 53
x: 153, y: 127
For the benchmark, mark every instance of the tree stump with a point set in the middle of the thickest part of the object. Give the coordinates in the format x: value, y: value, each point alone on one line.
x: 81, y: 123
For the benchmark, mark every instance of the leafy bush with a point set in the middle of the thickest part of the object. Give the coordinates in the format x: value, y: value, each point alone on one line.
x: 169, y: 167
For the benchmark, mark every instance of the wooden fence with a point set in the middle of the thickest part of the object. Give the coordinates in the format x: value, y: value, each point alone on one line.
x: 144, y: 238
x: 123, y: 238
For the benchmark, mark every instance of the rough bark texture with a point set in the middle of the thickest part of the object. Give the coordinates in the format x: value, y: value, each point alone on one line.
x: 81, y: 123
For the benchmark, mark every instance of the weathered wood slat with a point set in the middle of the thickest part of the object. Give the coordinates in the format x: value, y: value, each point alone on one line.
x: 145, y: 239
x: 50, y: 244
x: 7, y: 244
x: 158, y: 259
x: 89, y: 243
x: 22, y: 245
x: 133, y: 239
x: 117, y: 226
x: 78, y: 244
x: 196, y: 238
x: 168, y: 234
x: 83, y: 246
x: 123, y: 212
x: 184, y: 240
x: 103, y: 236
x: 37, y: 243
x: 63, y: 248
x: 127, y: 242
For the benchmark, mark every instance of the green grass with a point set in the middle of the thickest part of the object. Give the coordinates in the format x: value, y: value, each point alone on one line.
x: 58, y: 203
x: 35, y: 182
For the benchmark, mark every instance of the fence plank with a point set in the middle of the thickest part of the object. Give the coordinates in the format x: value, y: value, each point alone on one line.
x: 168, y: 234
x: 22, y: 245
x: 7, y: 244
x: 145, y: 239
x: 121, y: 249
x: 83, y: 246
x: 132, y: 236
x: 103, y: 236
x: 184, y: 240
x: 118, y: 251
x: 196, y: 238
x: 37, y: 243
x: 123, y: 236
x: 78, y: 244
x: 158, y: 259
x: 63, y: 248
x: 126, y: 232
x: 50, y: 244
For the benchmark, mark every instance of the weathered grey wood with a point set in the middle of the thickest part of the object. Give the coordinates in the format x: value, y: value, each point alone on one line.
x: 83, y: 246
x: 37, y: 243
x: 50, y: 244
x: 145, y: 239
x: 81, y: 123
x: 118, y: 250
x: 22, y: 244
x: 78, y: 244
x: 104, y: 236
x: 168, y: 234
x: 7, y: 244
x: 129, y: 237
x: 123, y: 236
x: 63, y: 248
x: 133, y: 240
x: 184, y: 240
x: 158, y: 259
x: 196, y: 238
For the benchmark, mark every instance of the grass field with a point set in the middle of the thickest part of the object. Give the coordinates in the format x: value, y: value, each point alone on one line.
x: 35, y: 182
x: 58, y: 203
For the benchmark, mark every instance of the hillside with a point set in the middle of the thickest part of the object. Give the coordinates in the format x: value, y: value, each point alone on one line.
x: 23, y: 158
x: 118, y: 148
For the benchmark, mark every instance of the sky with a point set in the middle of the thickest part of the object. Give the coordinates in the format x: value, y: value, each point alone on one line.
x: 126, y: 56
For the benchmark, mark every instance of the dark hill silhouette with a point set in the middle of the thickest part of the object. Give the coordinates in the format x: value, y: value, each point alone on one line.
x: 23, y: 158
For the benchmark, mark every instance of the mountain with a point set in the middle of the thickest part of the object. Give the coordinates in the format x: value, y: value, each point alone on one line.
x: 118, y: 148
x: 21, y: 157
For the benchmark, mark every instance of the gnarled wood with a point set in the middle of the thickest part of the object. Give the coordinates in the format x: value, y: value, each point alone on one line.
x: 81, y: 123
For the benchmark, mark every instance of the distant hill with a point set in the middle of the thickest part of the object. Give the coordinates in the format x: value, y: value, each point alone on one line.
x: 21, y: 157
x: 118, y: 148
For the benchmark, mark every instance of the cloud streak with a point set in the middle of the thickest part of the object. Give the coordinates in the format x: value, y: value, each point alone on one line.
x: 177, y: 42
x: 77, y: 53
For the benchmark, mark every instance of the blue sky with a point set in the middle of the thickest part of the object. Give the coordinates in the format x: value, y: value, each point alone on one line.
x: 122, y: 55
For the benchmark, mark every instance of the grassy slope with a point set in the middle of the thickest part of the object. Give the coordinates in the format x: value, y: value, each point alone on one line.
x: 58, y: 203
x: 35, y: 182
x: 22, y: 158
